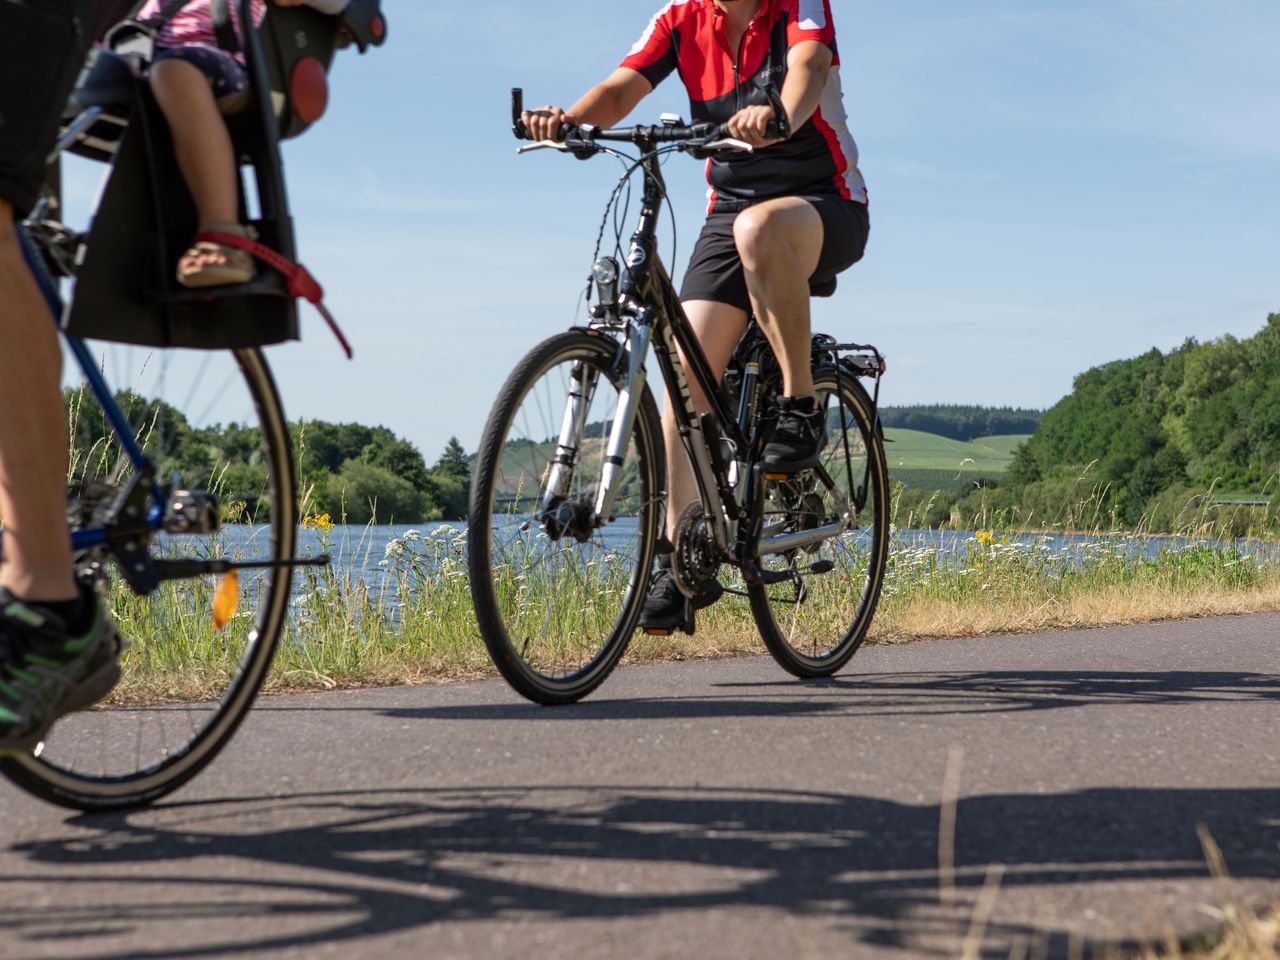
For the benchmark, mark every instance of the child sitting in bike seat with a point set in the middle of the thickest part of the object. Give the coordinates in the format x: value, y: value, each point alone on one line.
x: 194, y: 82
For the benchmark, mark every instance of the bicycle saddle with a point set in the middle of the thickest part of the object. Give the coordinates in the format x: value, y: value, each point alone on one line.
x: 824, y: 288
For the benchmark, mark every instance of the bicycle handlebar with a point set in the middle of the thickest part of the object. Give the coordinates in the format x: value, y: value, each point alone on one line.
x: 583, y: 139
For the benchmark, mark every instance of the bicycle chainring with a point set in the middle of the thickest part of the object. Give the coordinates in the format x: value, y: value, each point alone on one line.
x: 696, y: 561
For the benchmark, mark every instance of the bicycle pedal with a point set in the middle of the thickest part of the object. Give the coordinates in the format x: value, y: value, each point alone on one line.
x: 687, y: 626
x: 777, y: 476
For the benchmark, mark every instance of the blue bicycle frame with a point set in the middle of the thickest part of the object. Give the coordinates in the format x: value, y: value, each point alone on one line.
x: 95, y: 536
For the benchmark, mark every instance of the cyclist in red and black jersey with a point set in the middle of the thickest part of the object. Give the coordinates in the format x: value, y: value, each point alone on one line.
x: 788, y: 214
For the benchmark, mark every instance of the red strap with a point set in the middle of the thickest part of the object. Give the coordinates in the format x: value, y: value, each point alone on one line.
x: 301, y: 282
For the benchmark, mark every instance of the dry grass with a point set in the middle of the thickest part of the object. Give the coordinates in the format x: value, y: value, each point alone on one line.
x: 936, y: 617
x: 1245, y: 935
x: 412, y: 622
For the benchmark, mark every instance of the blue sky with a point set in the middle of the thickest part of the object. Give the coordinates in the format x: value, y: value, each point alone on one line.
x: 1053, y: 186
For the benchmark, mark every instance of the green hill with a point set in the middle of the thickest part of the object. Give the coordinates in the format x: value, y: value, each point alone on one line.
x: 928, y: 462
x: 916, y: 450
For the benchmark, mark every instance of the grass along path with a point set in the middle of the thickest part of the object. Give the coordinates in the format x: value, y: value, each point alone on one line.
x: 345, y: 632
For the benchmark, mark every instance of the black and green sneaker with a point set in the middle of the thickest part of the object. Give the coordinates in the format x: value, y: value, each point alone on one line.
x: 48, y: 670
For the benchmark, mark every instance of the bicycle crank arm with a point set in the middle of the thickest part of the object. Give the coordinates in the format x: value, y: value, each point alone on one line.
x: 754, y: 575
x: 186, y: 569
x: 800, y: 539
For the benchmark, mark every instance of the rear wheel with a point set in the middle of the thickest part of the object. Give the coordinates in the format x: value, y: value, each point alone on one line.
x: 211, y: 422
x: 815, y: 620
x: 556, y: 596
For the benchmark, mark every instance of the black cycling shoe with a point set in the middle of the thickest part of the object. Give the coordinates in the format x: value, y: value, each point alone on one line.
x: 799, y: 435
x: 666, y: 608
x: 48, y: 668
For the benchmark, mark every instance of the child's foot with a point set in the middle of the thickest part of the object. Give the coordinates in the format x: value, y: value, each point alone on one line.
x: 209, y: 264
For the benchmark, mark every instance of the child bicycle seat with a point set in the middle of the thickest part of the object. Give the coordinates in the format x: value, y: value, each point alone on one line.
x: 125, y: 286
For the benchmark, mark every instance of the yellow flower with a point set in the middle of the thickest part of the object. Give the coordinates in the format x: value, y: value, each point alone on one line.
x: 323, y: 522
x: 985, y: 537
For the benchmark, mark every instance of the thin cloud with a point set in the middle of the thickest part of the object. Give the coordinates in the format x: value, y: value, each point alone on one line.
x: 1034, y: 14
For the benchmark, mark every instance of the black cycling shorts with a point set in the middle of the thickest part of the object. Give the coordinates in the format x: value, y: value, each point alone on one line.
x: 715, y: 269
x: 43, y: 44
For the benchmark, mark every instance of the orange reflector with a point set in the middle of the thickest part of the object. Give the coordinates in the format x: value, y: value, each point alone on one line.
x: 225, y: 599
x: 777, y: 476
x: 658, y: 633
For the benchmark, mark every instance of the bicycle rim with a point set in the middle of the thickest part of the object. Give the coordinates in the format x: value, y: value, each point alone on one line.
x: 814, y: 622
x: 214, y: 420
x: 556, y: 609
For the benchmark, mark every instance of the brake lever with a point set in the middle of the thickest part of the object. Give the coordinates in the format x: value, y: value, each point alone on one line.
x: 700, y: 151
x: 544, y: 145
x: 727, y: 143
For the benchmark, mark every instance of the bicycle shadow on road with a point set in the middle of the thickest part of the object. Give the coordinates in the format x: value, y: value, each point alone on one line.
x: 894, y: 694
x: 244, y: 875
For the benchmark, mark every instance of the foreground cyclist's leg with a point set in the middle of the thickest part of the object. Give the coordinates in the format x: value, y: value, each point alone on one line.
x: 781, y: 243
x: 57, y: 648
x: 718, y: 327
x: 33, y: 449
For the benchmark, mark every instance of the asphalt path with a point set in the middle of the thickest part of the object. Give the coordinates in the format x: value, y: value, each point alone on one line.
x: 703, y: 809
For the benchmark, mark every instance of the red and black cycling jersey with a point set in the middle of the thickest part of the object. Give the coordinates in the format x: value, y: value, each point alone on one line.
x: 691, y: 36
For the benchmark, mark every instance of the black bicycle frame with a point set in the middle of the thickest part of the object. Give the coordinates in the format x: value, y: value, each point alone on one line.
x: 647, y: 285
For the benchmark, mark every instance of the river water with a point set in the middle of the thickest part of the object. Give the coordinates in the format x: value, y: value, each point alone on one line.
x: 361, y: 550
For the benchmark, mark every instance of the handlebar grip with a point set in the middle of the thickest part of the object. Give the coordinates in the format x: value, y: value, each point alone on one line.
x: 781, y: 126
x: 774, y: 130
x: 517, y: 108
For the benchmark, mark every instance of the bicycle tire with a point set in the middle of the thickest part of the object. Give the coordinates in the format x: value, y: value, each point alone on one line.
x: 191, y: 733
x: 518, y: 570
x: 816, y: 634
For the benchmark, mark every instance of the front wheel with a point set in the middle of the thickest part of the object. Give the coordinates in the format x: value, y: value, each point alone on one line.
x: 557, y: 594
x: 815, y: 620
x: 210, y: 422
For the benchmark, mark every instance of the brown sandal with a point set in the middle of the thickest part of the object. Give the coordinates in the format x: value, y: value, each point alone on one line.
x: 208, y: 264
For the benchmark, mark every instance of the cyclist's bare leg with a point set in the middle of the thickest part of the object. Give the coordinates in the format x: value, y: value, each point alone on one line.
x: 201, y: 140
x: 33, y: 444
x: 780, y: 242
x: 718, y: 327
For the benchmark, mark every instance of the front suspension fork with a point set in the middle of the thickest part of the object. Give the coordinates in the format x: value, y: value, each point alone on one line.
x: 636, y: 348
x: 583, y: 380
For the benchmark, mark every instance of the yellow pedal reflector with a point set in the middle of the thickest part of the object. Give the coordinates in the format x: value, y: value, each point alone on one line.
x: 777, y: 476
x: 658, y: 633
x: 225, y: 599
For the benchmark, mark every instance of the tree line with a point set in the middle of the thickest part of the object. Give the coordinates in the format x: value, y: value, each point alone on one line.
x: 354, y: 473
x: 962, y: 422
x: 1156, y: 441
